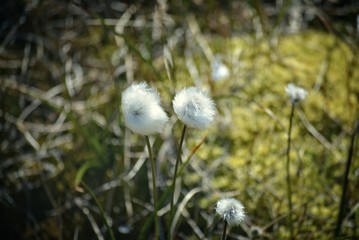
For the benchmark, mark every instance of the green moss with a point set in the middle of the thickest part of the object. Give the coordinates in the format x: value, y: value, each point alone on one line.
x: 256, y: 135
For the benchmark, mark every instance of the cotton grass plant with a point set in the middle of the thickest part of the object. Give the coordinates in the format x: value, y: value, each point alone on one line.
x: 220, y: 71
x: 296, y: 95
x: 144, y: 115
x: 231, y: 211
x: 196, y: 110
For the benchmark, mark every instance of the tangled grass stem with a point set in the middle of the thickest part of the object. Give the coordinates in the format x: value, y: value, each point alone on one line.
x: 289, y: 184
x: 102, y: 212
x: 178, y: 160
x: 154, y: 186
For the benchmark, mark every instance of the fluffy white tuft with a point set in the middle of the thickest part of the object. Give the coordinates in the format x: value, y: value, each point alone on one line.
x: 231, y: 210
x: 296, y: 93
x: 219, y: 70
x: 194, y: 108
x: 142, y: 111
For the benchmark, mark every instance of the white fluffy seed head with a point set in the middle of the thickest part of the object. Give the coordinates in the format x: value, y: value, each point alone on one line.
x: 219, y: 70
x: 296, y: 93
x: 231, y: 211
x: 194, y: 108
x: 142, y: 111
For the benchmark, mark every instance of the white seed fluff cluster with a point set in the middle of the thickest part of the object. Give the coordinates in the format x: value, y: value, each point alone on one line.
x: 230, y: 210
x: 296, y: 93
x: 194, y: 108
x: 141, y: 107
x: 219, y: 70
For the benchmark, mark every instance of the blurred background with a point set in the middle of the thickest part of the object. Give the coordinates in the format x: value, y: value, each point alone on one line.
x: 64, y: 65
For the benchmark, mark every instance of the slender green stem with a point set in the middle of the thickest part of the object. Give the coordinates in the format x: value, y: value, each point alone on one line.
x: 343, y: 200
x: 102, y: 212
x: 154, y: 186
x: 143, y: 234
x: 224, y: 234
x: 289, y: 184
x: 178, y: 160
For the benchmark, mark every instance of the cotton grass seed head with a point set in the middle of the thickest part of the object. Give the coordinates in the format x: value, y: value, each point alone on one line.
x: 231, y: 211
x: 296, y: 93
x: 194, y: 108
x: 219, y: 70
x: 142, y: 111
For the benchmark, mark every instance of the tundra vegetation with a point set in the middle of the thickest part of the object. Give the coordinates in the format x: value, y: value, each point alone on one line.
x: 274, y: 155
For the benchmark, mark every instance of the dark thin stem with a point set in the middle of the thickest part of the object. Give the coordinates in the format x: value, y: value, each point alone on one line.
x: 102, y: 212
x: 178, y: 160
x: 224, y: 234
x: 154, y: 187
x: 167, y: 192
x: 289, y: 184
x: 343, y: 200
